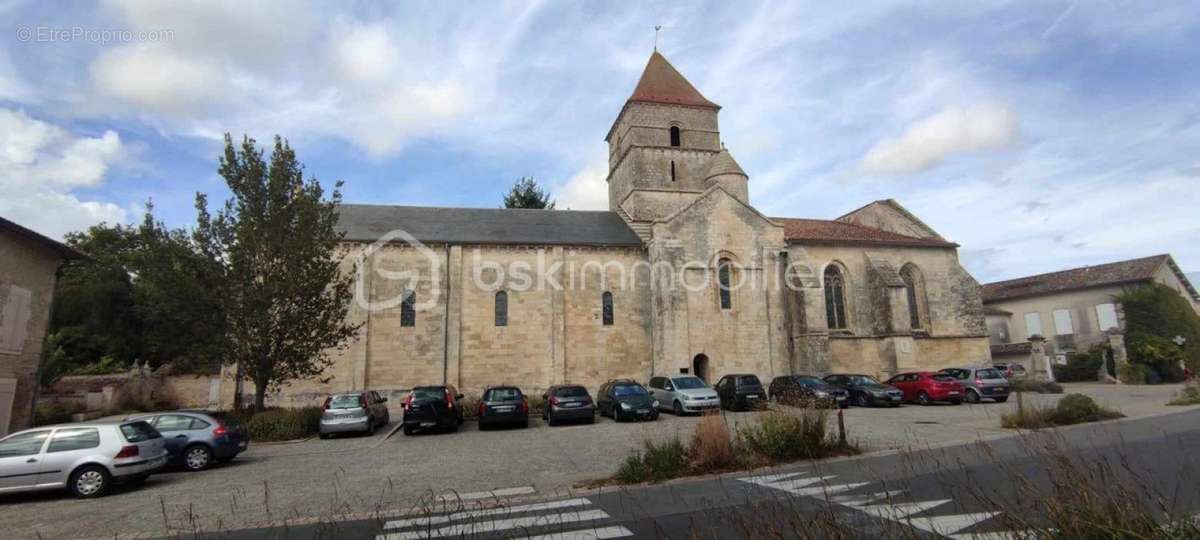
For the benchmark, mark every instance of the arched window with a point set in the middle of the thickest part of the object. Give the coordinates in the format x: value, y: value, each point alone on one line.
x: 606, y: 308
x: 835, y: 298
x: 914, y: 288
x: 723, y: 286
x: 674, y: 135
x: 408, y: 309
x: 501, y: 308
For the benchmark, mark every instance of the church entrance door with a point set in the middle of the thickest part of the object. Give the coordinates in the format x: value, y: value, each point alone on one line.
x: 700, y: 367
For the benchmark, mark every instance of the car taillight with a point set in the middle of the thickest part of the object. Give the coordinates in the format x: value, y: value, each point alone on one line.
x: 449, y: 400
x: 328, y: 400
x: 220, y: 431
x: 362, y: 401
x: 408, y: 402
x: 524, y: 406
x: 554, y: 400
x: 480, y: 408
x: 127, y: 452
x: 978, y: 382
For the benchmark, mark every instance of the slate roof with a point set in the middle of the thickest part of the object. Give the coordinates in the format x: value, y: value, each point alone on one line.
x: 662, y: 83
x: 367, y: 223
x: 799, y: 230
x: 63, y: 250
x: 1115, y: 273
x: 723, y: 163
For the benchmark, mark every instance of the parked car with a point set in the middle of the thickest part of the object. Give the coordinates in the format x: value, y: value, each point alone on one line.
x: 503, y: 405
x: 626, y: 399
x: 195, y: 439
x: 86, y: 458
x: 1011, y: 370
x: 926, y: 387
x: 741, y: 391
x: 433, y: 407
x: 865, y: 390
x: 568, y: 402
x: 355, y: 412
x: 684, y: 394
x: 807, y: 390
x: 981, y: 382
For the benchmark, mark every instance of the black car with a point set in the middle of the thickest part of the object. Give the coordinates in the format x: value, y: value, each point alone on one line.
x: 625, y: 399
x: 866, y: 390
x: 432, y: 407
x: 741, y: 391
x: 568, y: 402
x: 807, y: 390
x: 503, y: 405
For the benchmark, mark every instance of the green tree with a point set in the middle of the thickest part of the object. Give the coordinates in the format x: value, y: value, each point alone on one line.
x: 275, y: 244
x: 1154, y: 316
x: 526, y: 193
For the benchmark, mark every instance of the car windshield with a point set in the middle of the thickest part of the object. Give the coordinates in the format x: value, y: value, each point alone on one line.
x: 689, y: 383
x: 988, y: 373
x: 344, y: 401
x: 809, y: 381
x: 629, y: 390
x: 502, y: 394
x: 139, y: 431
x: 862, y: 379
x: 748, y: 380
x: 571, y: 391
x: 942, y: 377
x: 420, y: 394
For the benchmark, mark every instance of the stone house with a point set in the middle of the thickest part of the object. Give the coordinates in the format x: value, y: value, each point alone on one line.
x: 29, y: 264
x: 682, y: 274
x: 1073, y: 309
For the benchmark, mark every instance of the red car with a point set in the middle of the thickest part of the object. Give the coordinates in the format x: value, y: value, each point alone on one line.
x: 926, y: 387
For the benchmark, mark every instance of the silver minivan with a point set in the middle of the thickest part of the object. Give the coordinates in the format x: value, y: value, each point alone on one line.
x: 981, y: 382
x: 684, y: 393
x: 86, y: 458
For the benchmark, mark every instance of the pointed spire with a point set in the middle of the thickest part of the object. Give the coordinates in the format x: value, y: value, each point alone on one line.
x: 662, y: 83
x: 723, y: 163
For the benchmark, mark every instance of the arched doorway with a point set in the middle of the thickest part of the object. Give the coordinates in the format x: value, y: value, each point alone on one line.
x: 700, y: 367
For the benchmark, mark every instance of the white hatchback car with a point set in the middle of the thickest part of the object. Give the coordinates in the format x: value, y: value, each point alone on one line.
x: 684, y: 394
x: 86, y: 458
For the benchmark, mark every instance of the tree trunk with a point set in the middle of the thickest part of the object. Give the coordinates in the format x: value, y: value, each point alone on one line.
x: 260, y: 395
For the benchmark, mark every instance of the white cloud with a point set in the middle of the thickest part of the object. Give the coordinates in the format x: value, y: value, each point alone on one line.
x: 952, y: 131
x: 40, y: 164
x: 155, y: 77
x: 586, y: 190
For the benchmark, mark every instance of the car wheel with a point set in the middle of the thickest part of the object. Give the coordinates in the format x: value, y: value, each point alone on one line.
x: 549, y: 418
x: 678, y: 408
x: 863, y: 399
x: 370, y: 427
x: 408, y: 430
x: 923, y: 398
x: 323, y: 435
x: 591, y: 420
x: 525, y: 424
x: 956, y: 402
x: 1001, y: 399
x: 197, y: 457
x: 972, y: 396
x: 89, y: 481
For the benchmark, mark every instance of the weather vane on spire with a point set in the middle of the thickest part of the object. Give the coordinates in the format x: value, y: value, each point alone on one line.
x: 657, y: 27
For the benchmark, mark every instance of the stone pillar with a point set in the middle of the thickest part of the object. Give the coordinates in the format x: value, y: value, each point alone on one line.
x: 453, y: 298
x: 558, y: 318
x: 1116, y: 344
x: 1037, y: 359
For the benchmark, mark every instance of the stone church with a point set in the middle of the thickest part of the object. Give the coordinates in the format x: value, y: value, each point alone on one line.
x: 681, y: 275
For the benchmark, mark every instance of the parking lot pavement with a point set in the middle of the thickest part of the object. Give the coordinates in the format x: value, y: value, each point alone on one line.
x: 362, y: 475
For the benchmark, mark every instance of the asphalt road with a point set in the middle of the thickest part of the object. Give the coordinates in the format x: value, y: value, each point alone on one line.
x: 966, y: 491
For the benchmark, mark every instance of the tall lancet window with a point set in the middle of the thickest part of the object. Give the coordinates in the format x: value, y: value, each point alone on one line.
x: 606, y: 308
x: 835, y: 298
x: 408, y: 309
x: 723, y: 283
x: 675, y: 139
x: 501, y: 308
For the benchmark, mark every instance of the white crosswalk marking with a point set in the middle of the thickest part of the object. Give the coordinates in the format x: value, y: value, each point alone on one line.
x: 990, y: 535
x: 497, y: 525
x: 897, y: 511
x: 797, y: 483
x: 862, y: 500
x: 823, y: 491
x: 427, y: 521
x: 602, y: 533
x: 495, y: 493
x: 949, y: 524
x: 768, y: 478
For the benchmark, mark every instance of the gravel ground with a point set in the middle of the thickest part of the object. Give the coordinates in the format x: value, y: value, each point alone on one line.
x: 363, y: 474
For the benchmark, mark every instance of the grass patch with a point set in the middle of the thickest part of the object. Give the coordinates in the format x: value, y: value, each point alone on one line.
x: 278, y: 424
x: 1072, y: 409
x: 1038, y: 386
x: 655, y: 462
x: 1190, y: 395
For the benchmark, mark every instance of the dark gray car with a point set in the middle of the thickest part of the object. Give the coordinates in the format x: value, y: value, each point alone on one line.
x: 568, y: 402
x: 195, y: 439
x: 866, y: 391
x: 503, y: 405
x: 981, y: 383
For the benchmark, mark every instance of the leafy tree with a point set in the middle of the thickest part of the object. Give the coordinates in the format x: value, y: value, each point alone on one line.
x: 1154, y: 315
x: 526, y: 193
x: 278, y: 253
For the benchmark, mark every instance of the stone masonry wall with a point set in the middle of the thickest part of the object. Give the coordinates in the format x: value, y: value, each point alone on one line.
x: 24, y: 266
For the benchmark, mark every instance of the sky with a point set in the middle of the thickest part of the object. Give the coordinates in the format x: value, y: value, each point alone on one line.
x: 1037, y: 135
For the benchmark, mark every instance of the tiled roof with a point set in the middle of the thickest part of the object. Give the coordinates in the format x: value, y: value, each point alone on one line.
x: 990, y: 310
x: 1116, y: 273
x: 63, y: 250
x: 662, y: 83
x: 800, y: 230
x: 1002, y: 349
x: 367, y: 223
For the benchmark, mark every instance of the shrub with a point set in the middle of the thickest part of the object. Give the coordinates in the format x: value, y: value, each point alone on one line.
x: 1161, y: 356
x: 711, y: 448
x: 281, y: 424
x: 470, y: 405
x: 1190, y: 395
x: 632, y: 470
x: 1080, y: 367
x: 782, y: 437
x: 1072, y: 409
x: 655, y: 462
x: 55, y: 412
x: 537, y: 405
x: 1039, y: 386
x: 1133, y: 374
